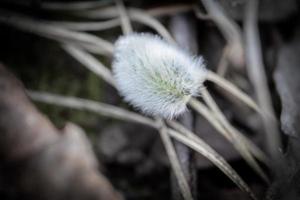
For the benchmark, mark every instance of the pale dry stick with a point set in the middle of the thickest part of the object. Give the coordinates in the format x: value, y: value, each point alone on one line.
x: 56, y: 33
x: 87, y: 25
x: 208, y: 115
x: 91, y: 63
x: 237, y: 141
x: 230, y: 31
x: 103, y: 13
x: 121, y: 114
x: 91, y: 48
x: 125, y: 22
x: 89, y: 105
x: 59, y: 6
x: 174, y: 161
x: 257, y: 75
x: 161, y: 11
x: 200, y: 15
x: 212, y: 155
x: 223, y: 63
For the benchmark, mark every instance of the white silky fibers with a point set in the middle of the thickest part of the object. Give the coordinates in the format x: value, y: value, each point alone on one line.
x: 154, y: 76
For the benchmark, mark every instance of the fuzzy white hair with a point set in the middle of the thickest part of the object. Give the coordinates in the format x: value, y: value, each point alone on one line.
x: 154, y: 76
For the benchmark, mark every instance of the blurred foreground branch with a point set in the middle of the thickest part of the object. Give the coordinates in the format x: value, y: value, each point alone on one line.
x: 49, y: 163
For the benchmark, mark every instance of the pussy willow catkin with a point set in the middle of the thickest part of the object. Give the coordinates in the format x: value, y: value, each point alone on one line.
x: 154, y: 76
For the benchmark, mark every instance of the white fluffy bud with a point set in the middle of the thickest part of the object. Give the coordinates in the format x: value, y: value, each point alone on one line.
x: 154, y: 76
